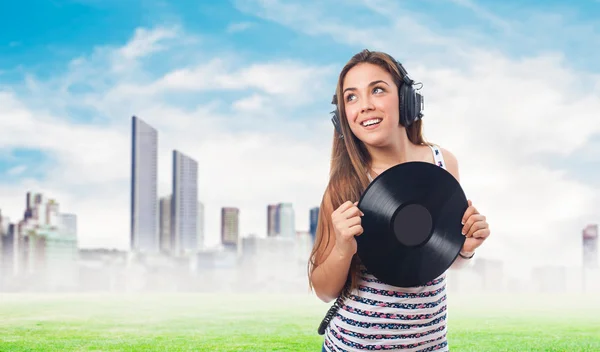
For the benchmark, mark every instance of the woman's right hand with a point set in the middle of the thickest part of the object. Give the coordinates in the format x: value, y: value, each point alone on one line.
x: 347, y: 224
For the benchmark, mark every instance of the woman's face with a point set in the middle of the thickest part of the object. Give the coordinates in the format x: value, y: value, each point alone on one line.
x: 371, y: 104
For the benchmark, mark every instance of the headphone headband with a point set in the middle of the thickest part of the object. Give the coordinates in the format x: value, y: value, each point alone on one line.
x: 405, y: 77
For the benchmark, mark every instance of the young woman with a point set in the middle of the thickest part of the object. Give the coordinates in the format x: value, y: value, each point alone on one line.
x: 374, y: 315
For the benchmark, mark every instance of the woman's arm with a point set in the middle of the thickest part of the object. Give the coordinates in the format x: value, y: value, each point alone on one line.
x: 332, y: 261
x: 329, y: 277
x: 452, y: 168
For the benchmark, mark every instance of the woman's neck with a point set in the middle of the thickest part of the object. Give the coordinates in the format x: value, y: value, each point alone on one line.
x: 399, y: 152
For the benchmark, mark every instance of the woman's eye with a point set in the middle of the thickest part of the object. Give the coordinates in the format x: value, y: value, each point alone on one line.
x: 377, y: 90
x: 349, y: 97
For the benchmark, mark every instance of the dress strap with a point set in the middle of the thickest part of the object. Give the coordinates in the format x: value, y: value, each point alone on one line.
x: 437, y: 156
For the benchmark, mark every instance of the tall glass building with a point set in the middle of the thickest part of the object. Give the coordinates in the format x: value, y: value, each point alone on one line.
x: 272, y: 220
x: 287, y: 223
x: 144, y: 197
x: 230, y: 226
x: 314, y: 218
x: 184, y: 204
x: 164, y: 226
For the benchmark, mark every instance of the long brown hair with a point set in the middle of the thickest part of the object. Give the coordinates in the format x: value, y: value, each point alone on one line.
x: 350, y: 163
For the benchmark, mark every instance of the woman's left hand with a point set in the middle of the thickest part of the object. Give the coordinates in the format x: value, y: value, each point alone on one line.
x: 475, y: 229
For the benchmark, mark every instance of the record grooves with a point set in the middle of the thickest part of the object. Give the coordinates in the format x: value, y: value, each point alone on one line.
x: 412, y: 224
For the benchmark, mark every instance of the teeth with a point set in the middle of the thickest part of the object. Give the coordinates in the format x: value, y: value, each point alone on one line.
x: 371, y: 122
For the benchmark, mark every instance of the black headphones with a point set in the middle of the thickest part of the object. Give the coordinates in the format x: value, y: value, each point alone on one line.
x: 411, y: 102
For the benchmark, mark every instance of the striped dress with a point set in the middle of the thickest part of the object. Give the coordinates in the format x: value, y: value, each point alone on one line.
x: 380, y: 317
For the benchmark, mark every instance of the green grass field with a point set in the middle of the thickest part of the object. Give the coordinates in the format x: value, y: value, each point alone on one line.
x: 195, y: 322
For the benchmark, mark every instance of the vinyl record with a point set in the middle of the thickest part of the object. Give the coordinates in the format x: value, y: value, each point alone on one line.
x: 412, y: 224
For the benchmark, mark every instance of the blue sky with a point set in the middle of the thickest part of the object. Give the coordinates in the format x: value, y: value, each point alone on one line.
x: 253, y: 80
x: 60, y: 30
x: 44, y: 41
x: 42, y: 36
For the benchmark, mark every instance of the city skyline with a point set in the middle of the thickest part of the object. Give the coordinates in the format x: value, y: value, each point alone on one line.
x: 175, y: 225
x: 39, y: 249
x: 281, y: 216
x: 40, y: 252
x: 232, y: 92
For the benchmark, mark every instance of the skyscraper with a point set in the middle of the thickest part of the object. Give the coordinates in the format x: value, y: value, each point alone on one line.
x: 165, y: 224
x: 230, y: 230
x: 590, y: 246
x: 287, y: 224
x: 28, y: 211
x: 8, y: 250
x: 184, y: 204
x: 144, y: 197
x: 68, y: 224
x: 272, y: 220
x: 201, y: 225
x: 314, y: 217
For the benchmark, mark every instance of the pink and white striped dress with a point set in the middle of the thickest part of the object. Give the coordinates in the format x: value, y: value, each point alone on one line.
x: 380, y: 317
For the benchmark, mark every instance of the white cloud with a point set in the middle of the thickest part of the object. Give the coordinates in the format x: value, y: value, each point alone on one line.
x: 496, y: 114
x: 498, y: 117
x: 83, y: 147
x: 17, y: 170
x: 395, y: 29
x: 239, y: 27
x: 242, y: 164
x: 245, y: 169
x: 484, y: 14
x: 286, y: 79
x: 146, y: 42
x: 114, y: 96
x: 254, y: 103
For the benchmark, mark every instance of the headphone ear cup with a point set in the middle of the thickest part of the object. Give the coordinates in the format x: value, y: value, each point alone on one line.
x: 336, y: 122
x: 408, y: 108
x: 336, y: 117
x: 404, y: 117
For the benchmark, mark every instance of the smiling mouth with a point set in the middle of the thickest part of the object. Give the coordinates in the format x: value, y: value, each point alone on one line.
x: 370, y: 122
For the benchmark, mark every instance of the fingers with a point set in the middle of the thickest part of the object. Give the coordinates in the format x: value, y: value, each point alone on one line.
x: 469, y: 213
x: 342, y: 208
x: 349, y: 210
x: 352, y: 212
x: 473, y: 219
x: 356, y: 230
x: 352, y: 221
x: 353, y: 225
x: 339, y: 215
x: 471, y: 244
x: 356, y: 205
x: 471, y: 210
x: 345, y: 207
x: 352, y: 231
x: 347, y: 219
x: 479, y: 227
x: 474, y: 224
x: 481, y: 234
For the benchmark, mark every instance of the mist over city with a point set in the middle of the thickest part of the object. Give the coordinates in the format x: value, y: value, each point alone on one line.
x: 168, y: 250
